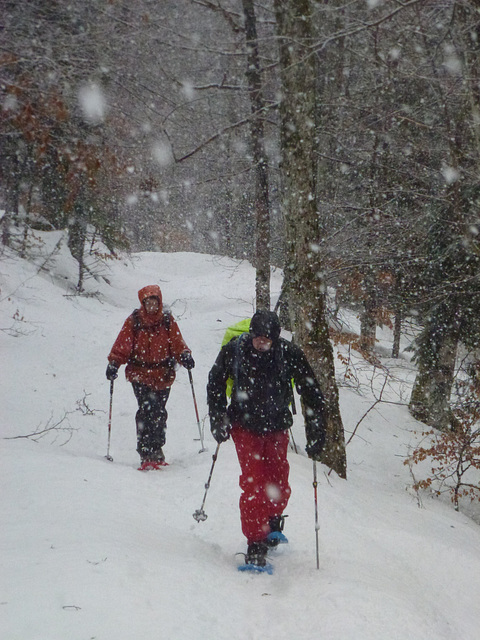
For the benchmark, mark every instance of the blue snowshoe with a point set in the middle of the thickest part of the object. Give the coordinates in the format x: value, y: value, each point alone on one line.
x: 276, y: 535
x: 256, y: 559
x: 275, y: 538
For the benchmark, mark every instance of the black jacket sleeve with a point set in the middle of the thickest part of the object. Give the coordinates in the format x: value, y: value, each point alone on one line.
x: 309, y: 390
x: 217, y: 382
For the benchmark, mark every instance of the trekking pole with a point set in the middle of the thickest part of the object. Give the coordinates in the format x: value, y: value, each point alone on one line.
x: 200, y: 515
x: 292, y: 441
x: 108, y: 456
x: 196, y: 411
x: 315, y: 484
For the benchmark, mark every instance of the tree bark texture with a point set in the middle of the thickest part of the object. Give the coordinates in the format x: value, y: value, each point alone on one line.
x: 397, y: 332
x: 303, y: 269
x: 447, y: 320
x: 430, y: 399
x: 262, y: 206
x: 368, y: 316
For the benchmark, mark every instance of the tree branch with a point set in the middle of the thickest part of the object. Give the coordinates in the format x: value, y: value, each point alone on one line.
x: 229, y: 16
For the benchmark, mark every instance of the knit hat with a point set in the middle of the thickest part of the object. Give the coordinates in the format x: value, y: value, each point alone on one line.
x: 265, y: 323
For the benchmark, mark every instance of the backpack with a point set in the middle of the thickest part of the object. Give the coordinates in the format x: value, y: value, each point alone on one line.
x: 235, y: 330
x: 243, y: 326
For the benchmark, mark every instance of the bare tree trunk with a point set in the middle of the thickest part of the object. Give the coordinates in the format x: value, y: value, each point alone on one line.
x: 23, y: 249
x: 368, y: 318
x: 397, y: 332
x: 304, y: 267
x: 6, y: 221
x: 430, y: 399
x: 77, y: 235
x: 12, y: 200
x: 438, y: 344
x: 262, y: 207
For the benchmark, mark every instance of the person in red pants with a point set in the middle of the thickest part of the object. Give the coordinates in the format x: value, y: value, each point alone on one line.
x: 262, y: 366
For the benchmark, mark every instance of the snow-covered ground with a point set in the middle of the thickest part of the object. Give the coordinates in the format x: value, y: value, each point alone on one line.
x: 92, y: 549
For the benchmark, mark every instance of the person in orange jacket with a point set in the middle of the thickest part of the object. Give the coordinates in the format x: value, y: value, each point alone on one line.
x: 150, y: 344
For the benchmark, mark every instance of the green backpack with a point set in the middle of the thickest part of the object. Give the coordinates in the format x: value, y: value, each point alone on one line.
x: 243, y: 326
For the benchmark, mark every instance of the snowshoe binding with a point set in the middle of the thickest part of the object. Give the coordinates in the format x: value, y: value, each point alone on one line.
x: 276, y: 535
x: 256, y: 559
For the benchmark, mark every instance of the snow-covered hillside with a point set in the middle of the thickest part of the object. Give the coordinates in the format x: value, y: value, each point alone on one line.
x: 92, y: 549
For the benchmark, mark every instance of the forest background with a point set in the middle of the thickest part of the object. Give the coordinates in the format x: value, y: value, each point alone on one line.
x: 337, y: 140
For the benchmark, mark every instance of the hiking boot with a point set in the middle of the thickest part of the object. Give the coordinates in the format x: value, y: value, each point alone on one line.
x: 257, y: 554
x: 277, y: 523
x: 276, y: 535
x: 152, y: 460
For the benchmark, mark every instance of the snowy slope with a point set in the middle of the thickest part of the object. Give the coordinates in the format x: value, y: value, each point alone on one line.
x: 96, y: 549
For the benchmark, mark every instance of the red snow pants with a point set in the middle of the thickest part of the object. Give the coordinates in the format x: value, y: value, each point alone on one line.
x: 263, y: 481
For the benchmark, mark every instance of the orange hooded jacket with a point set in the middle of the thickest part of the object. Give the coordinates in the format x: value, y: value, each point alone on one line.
x: 146, y: 341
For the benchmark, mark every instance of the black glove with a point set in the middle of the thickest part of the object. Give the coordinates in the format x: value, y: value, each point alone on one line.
x: 314, y: 449
x: 220, y: 428
x: 112, y: 371
x: 187, y: 360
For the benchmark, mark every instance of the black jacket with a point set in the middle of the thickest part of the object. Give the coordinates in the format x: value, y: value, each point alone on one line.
x: 262, y: 388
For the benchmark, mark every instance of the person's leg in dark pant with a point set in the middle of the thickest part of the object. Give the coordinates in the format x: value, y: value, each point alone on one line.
x: 151, y: 420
